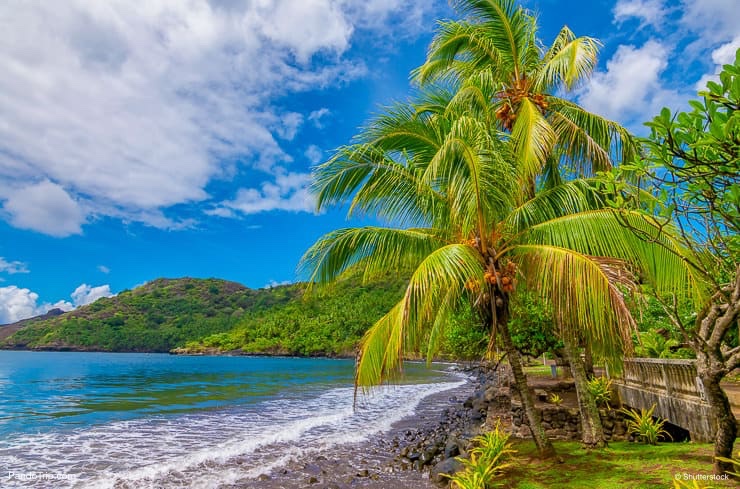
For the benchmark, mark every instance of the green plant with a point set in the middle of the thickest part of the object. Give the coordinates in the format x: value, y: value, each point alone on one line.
x: 679, y: 484
x: 645, y: 426
x: 556, y: 399
x: 601, y: 390
x: 488, y: 459
x: 735, y: 461
x: 476, y: 475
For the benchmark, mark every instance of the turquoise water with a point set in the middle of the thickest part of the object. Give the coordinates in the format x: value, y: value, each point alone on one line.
x: 152, y: 420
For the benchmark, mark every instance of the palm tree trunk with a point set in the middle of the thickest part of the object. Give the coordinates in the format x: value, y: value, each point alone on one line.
x: 520, y: 379
x: 592, y: 432
x: 588, y: 359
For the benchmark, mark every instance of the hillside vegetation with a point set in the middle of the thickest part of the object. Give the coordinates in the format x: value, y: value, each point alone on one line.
x: 216, y: 315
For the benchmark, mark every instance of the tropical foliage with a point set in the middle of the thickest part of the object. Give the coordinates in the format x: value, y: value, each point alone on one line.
x: 644, y: 426
x: 219, y: 316
x: 601, y: 390
x: 448, y: 184
x: 491, y: 455
x: 691, y: 177
x: 496, y: 46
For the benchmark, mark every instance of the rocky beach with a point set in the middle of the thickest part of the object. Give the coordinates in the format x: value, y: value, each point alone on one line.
x: 411, y: 455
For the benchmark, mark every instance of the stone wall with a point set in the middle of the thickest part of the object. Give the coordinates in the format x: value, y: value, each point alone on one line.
x: 560, y: 422
x: 563, y: 423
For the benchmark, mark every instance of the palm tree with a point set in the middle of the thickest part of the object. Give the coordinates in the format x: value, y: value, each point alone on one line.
x: 447, y: 184
x: 497, y: 44
x: 497, y: 41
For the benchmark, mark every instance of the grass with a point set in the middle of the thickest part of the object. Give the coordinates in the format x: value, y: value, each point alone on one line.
x: 539, y: 371
x: 622, y: 465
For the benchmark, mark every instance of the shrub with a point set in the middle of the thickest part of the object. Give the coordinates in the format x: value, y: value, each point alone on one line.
x: 601, y: 390
x: 491, y: 455
x: 644, y: 426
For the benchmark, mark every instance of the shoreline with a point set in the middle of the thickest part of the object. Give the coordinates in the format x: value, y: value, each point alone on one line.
x: 386, y: 460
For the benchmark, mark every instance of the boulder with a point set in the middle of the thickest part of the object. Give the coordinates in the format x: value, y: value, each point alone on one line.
x: 446, y: 466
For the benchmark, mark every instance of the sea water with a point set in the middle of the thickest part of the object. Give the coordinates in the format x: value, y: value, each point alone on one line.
x: 104, y: 420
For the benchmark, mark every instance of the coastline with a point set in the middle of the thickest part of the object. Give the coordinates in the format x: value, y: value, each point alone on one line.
x: 372, y: 464
x: 383, y: 460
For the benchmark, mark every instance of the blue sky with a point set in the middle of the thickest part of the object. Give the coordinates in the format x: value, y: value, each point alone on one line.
x: 175, y: 138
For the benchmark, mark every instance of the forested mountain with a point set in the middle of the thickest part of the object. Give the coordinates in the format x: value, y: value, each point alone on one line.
x: 215, y: 315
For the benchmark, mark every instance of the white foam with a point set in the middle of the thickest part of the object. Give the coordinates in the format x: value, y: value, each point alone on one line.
x: 211, y: 448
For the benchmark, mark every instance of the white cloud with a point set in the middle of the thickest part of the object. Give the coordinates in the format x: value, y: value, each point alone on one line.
x: 289, y: 192
x: 715, y: 21
x: 316, y: 117
x: 130, y: 108
x: 725, y: 54
x: 17, y: 303
x: 313, y: 153
x: 45, y: 207
x: 648, y: 12
x: 86, y: 294
x: 20, y: 303
x: 103, y: 269
x: 630, y: 90
x: 275, y: 283
x: 13, y: 267
x: 289, y: 124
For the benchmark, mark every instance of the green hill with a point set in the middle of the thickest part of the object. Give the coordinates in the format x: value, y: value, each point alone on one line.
x: 215, y: 315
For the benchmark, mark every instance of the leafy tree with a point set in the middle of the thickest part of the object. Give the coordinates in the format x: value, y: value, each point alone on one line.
x: 533, y: 329
x: 447, y: 184
x: 692, y: 167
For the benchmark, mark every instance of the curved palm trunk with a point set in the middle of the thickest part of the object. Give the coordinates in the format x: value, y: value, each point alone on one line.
x: 592, y: 432
x: 520, y: 379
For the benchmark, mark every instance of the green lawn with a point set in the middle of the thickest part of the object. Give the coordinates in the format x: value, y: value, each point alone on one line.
x: 622, y: 465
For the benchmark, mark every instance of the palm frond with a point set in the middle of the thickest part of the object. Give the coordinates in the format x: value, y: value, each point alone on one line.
x: 506, y: 23
x: 626, y: 235
x: 533, y: 139
x: 583, y: 298
x: 562, y: 200
x: 590, y: 142
x: 437, y: 282
x: 567, y: 63
x: 454, y: 42
x: 373, y: 249
x: 380, y: 349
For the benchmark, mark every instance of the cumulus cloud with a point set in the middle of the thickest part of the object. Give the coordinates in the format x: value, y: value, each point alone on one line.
x: 87, y: 294
x: 288, y: 192
x: 725, y: 54
x: 44, y: 207
x: 103, y: 269
x: 630, y: 89
x: 125, y: 109
x: 275, y: 283
x: 18, y: 303
x: 648, y: 12
x: 13, y: 267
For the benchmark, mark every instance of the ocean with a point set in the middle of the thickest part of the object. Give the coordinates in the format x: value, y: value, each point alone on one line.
x: 120, y: 420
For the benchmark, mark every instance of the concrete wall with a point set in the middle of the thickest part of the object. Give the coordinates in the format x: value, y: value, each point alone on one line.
x: 673, y: 386
x: 692, y: 415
